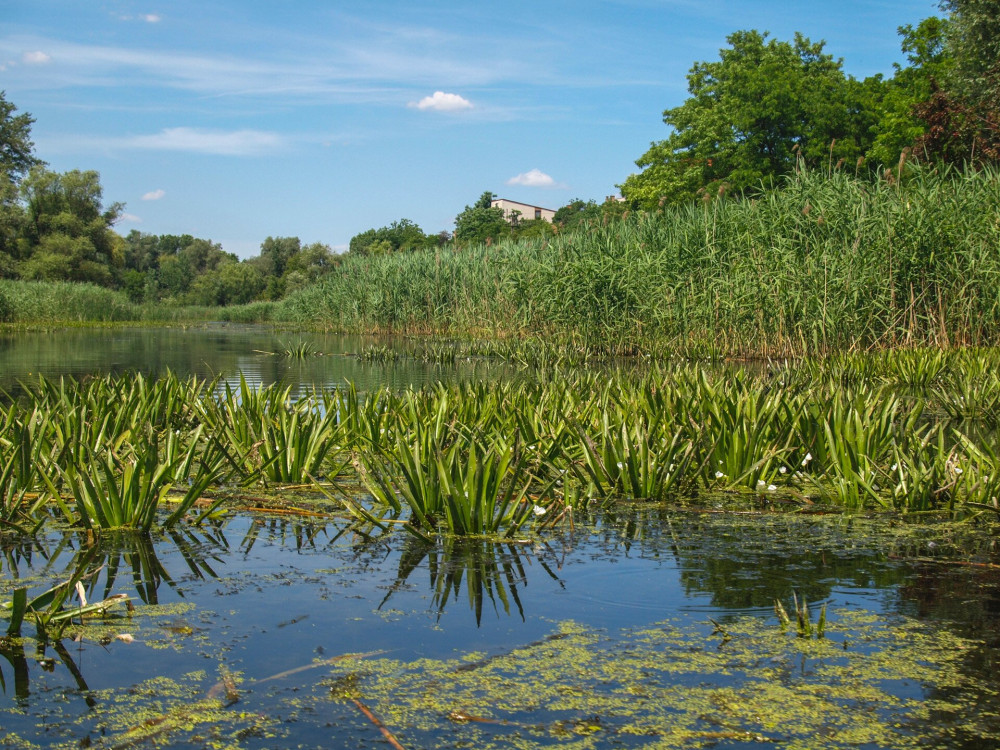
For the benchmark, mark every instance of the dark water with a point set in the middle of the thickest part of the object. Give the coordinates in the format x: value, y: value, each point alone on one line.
x: 218, y: 350
x: 266, y: 599
x: 642, y: 626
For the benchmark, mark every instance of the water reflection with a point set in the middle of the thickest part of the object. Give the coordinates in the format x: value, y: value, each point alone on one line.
x: 478, y: 571
x: 117, y: 556
x: 212, y: 350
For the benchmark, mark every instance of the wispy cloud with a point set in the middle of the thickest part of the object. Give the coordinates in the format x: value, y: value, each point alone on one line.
x: 152, y: 18
x: 36, y: 57
x: 442, y: 102
x: 197, y: 140
x: 154, y: 195
x: 128, y: 218
x: 535, y: 178
x: 233, y: 143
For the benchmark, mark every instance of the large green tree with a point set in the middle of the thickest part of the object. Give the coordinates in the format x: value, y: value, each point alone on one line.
x: 752, y: 114
x: 17, y: 155
x: 973, y: 41
x: 961, y: 117
x: 16, y: 159
x: 481, y: 222
x: 67, y: 233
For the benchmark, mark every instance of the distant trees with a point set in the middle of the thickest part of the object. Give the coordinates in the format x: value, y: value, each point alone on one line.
x: 481, y: 222
x: 400, y: 236
x: 188, y: 270
x: 578, y: 213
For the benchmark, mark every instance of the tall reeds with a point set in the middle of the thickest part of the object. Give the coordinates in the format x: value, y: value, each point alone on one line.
x: 826, y: 263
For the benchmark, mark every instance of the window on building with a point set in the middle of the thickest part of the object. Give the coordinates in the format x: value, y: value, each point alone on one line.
x: 538, y: 213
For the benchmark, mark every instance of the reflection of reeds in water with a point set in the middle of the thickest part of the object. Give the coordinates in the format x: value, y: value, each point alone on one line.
x: 489, y: 572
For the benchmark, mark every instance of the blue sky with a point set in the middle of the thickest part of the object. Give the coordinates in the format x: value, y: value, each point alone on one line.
x: 239, y: 119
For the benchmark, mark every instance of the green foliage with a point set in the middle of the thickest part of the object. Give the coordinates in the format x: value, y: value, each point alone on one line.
x: 895, y: 100
x: 480, y: 222
x: 973, y: 39
x: 67, y: 234
x: 751, y: 116
x: 400, y: 236
x: 16, y: 149
x: 826, y: 263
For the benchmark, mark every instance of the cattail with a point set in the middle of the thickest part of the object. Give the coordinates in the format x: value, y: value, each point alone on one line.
x: 840, y: 163
x: 807, y: 209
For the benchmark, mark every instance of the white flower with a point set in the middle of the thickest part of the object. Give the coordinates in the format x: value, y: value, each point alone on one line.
x: 771, y: 488
x: 760, y: 482
x: 539, y: 510
x: 807, y: 459
x: 894, y: 467
x: 621, y: 465
x: 719, y: 475
x: 958, y: 469
x: 782, y: 470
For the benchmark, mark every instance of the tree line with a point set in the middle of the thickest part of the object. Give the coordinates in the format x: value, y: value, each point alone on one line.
x: 56, y: 227
x: 767, y: 107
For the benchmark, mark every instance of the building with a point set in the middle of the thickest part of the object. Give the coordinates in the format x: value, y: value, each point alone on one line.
x: 524, y: 211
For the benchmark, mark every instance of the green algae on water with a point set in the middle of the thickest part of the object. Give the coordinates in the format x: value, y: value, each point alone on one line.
x: 871, y: 681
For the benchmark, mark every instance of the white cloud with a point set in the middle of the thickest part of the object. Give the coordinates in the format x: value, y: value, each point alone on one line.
x: 154, y: 195
x: 443, y: 102
x: 234, y: 143
x: 534, y: 178
x: 35, y: 58
x: 152, y: 18
x: 129, y: 219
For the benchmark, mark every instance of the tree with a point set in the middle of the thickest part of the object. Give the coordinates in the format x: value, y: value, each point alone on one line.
x: 67, y: 233
x: 481, y: 222
x: 16, y: 159
x: 896, y: 100
x: 751, y: 116
x: 973, y: 40
x: 16, y: 149
x: 400, y: 236
x: 575, y: 213
x: 961, y: 116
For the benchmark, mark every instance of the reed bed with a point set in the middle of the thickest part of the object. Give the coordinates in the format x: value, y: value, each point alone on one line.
x: 827, y: 263
x: 27, y: 302
x: 908, y: 432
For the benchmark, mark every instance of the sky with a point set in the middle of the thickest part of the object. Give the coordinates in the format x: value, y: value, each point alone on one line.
x: 235, y: 120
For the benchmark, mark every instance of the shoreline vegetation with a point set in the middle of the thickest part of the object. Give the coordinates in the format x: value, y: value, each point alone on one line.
x: 827, y: 263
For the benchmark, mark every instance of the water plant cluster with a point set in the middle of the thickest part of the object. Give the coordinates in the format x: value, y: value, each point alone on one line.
x: 907, y: 431
x: 825, y: 263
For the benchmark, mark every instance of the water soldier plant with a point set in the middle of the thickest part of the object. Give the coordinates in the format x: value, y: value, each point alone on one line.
x: 857, y: 432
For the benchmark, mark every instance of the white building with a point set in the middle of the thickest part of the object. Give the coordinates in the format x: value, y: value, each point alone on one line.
x: 525, y: 211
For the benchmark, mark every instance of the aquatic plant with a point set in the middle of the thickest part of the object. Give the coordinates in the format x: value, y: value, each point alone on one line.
x: 23, y: 453
x: 126, y: 485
